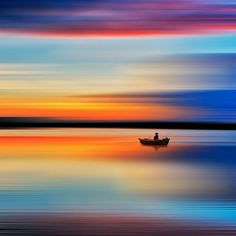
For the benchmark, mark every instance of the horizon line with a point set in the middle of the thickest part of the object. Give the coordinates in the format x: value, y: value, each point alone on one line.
x: 44, y: 122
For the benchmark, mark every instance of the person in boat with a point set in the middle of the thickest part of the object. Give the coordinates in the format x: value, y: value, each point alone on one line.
x: 156, y: 137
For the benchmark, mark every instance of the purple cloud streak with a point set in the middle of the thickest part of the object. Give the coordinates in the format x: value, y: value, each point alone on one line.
x: 120, y: 18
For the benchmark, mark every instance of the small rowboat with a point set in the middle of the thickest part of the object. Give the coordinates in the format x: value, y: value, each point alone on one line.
x: 159, y: 142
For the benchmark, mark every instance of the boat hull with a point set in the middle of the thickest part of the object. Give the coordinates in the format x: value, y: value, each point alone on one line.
x: 159, y: 142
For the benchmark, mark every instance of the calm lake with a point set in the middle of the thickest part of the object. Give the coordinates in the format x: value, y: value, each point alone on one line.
x: 102, y: 172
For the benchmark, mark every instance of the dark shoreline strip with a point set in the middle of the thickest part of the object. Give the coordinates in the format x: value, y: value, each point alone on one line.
x: 22, y: 123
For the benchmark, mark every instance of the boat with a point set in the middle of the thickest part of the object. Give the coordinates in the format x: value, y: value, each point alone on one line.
x: 159, y: 142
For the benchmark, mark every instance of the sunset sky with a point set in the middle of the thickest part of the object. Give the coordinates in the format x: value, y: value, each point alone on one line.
x: 133, y: 67
x: 118, y: 60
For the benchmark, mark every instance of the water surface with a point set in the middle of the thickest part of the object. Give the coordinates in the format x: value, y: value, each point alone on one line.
x: 108, y: 172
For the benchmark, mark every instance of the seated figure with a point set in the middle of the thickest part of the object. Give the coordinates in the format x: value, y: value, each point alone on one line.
x: 156, y: 137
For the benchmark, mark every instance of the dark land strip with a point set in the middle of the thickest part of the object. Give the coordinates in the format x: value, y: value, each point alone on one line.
x: 32, y: 122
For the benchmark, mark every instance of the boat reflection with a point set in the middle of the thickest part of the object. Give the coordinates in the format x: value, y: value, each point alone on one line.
x: 155, y: 147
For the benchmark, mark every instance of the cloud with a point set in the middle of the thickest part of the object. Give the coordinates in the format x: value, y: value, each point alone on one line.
x: 116, y: 17
x: 182, y: 72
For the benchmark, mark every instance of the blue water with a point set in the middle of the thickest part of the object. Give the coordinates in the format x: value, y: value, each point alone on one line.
x: 109, y: 171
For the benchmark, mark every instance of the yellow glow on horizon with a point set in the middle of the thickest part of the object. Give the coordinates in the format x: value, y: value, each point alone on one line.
x: 79, y: 108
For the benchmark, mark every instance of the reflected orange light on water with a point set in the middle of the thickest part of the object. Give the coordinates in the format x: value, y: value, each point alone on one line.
x: 73, y: 147
x: 94, y: 156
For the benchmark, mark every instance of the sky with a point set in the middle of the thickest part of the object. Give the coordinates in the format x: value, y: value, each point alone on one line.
x: 118, y: 60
